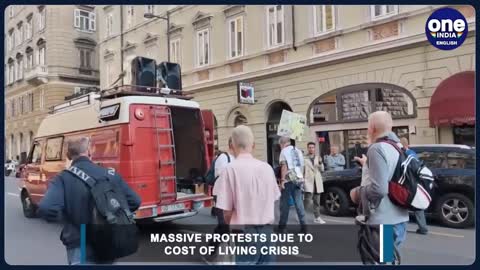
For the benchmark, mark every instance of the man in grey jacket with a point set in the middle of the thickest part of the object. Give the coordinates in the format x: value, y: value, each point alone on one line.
x: 381, y: 160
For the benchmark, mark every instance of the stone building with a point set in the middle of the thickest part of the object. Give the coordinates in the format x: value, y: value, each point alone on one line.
x: 334, y: 64
x: 50, y: 52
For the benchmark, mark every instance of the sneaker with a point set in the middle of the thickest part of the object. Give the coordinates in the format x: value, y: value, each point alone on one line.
x: 420, y: 231
x: 319, y: 220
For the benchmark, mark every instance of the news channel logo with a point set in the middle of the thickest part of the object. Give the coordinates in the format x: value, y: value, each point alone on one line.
x: 446, y: 29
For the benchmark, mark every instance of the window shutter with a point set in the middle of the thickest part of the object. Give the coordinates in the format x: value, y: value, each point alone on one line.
x: 93, y: 24
x: 76, y: 16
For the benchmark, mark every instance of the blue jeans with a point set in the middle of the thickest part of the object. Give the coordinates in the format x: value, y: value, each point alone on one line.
x: 74, y: 256
x: 399, y: 233
x: 258, y: 257
x: 291, y: 190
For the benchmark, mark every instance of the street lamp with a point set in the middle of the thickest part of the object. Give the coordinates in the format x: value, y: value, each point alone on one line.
x: 166, y: 18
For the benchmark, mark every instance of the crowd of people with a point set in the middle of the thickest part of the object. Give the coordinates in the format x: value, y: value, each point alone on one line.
x: 246, y: 189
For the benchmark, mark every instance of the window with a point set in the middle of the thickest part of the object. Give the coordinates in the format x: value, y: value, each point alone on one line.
x: 175, y: 51
x: 13, y: 107
x: 235, y: 34
x: 11, y: 72
x: 29, y: 28
x: 41, y: 60
x: 382, y: 11
x: 21, y: 34
x: 109, y: 25
x: 203, y: 48
x: 22, y: 104
x: 20, y: 66
x: 29, y: 63
x: 324, y: 18
x: 14, y: 39
x: 42, y: 99
x: 54, y: 149
x: 150, y: 9
x: 36, y: 153
x: 130, y: 16
x: 275, y: 24
x: 84, y: 20
x: 11, y: 12
x: 86, y: 58
x: 354, y: 103
x: 10, y: 40
x: 456, y: 160
x: 41, y: 19
x: 433, y: 159
x: 108, y: 73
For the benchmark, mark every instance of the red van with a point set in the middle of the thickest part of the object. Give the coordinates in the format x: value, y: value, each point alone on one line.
x: 155, y: 141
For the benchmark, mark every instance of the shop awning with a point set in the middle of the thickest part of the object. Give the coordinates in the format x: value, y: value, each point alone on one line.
x: 453, y: 102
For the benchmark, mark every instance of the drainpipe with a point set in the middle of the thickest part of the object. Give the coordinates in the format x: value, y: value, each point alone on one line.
x: 293, y: 28
x: 121, y: 43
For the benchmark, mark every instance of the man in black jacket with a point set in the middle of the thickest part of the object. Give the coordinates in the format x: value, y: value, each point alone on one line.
x: 68, y: 199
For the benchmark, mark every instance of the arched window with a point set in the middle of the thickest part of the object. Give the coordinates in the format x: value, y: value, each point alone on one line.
x: 354, y: 103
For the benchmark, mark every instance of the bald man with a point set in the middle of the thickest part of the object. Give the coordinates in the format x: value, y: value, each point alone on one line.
x: 381, y: 163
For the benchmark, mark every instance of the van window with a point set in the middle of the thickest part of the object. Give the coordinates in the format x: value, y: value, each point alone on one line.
x: 433, y: 160
x: 36, y: 153
x: 54, y: 149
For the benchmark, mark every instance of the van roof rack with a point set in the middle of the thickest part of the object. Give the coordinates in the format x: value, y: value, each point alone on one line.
x: 137, y: 90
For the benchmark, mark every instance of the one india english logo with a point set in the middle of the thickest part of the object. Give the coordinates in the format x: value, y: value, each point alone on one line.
x: 446, y: 29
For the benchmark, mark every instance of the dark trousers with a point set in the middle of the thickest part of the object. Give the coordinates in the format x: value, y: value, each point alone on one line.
x: 421, y: 221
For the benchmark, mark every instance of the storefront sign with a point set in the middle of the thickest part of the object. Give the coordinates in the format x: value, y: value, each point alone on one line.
x: 245, y: 93
x: 292, y: 125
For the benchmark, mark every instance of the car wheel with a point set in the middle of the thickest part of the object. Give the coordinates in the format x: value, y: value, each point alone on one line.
x: 335, y: 201
x: 455, y: 210
x: 29, y: 208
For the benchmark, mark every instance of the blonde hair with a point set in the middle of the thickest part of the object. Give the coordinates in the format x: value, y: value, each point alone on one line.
x: 242, y: 137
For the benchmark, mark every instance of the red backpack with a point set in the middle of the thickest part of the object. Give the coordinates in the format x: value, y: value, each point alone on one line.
x: 411, y: 186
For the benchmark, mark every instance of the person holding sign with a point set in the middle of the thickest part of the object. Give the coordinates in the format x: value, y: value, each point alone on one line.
x: 291, y: 182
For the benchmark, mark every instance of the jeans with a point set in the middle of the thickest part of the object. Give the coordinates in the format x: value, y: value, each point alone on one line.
x: 258, y: 257
x: 399, y: 234
x: 421, y: 221
x: 74, y: 256
x: 291, y: 190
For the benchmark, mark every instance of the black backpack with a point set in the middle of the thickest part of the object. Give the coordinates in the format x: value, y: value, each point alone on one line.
x: 112, y: 232
x: 210, y: 176
x: 411, y: 186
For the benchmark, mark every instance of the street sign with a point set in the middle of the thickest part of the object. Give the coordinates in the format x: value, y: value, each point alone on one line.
x: 245, y: 93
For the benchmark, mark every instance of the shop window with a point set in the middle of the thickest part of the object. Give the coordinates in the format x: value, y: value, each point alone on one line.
x: 464, y: 135
x: 54, y: 149
x: 325, y: 109
x: 356, y: 102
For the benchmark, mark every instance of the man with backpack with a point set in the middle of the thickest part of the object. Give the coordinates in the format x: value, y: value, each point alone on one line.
x: 382, y: 158
x: 90, y: 196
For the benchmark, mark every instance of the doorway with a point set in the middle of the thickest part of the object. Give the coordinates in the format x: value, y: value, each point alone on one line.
x: 274, y: 114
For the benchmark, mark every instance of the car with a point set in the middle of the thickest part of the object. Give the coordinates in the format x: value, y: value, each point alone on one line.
x: 453, y: 167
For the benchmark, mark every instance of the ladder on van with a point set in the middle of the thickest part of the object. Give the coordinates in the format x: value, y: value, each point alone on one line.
x: 165, y: 145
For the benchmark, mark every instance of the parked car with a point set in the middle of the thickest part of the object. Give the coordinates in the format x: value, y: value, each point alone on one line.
x: 453, y: 201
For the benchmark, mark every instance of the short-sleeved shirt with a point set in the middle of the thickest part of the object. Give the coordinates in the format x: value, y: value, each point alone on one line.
x: 221, y: 162
x: 293, y: 157
x: 248, y: 188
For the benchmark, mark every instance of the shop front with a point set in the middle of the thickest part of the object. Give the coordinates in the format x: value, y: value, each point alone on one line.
x: 452, y: 109
x: 339, y: 118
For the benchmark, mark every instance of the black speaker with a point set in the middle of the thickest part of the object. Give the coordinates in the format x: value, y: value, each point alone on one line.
x: 170, y: 74
x: 143, y: 72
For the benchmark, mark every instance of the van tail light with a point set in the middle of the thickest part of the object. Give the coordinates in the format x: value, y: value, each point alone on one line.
x: 139, y: 114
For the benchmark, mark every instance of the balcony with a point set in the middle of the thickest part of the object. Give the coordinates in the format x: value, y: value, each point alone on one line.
x: 37, y: 75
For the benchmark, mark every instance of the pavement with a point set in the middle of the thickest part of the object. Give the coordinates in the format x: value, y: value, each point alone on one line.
x: 36, y: 242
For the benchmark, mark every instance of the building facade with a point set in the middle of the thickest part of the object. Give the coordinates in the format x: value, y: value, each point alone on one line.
x: 333, y: 64
x: 50, y: 53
